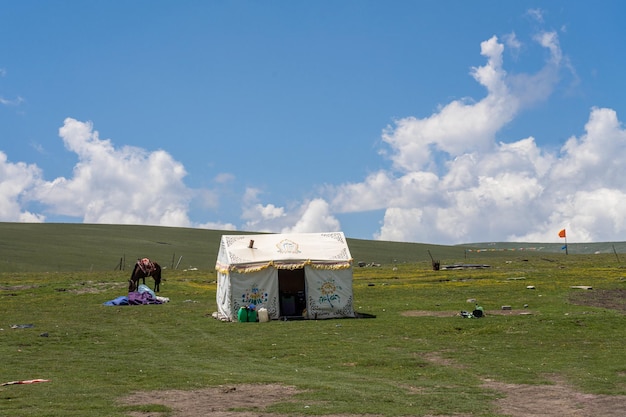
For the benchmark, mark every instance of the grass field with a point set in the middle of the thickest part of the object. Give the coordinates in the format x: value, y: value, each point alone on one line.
x: 417, y: 357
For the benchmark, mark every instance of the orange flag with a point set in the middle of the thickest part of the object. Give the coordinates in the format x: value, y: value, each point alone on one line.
x: 562, y: 233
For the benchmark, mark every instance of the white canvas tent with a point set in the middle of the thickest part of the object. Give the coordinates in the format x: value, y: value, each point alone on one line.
x: 306, y: 275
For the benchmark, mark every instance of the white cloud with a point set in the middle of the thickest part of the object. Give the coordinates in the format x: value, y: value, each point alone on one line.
x: 372, y: 194
x: 550, y: 40
x: 314, y: 216
x: 512, y: 43
x: 16, y: 182
x: 535, y: 14
x: 484, y: 190
x: 402, y: 224
x: 11, y: 102
x: 518, y: 192
x: 126, y: 185
x: 224, y: 178
x: 259, y: 217
x: 459, y: 126
x: 217, y: 226
x: 116, y: 185
x: 309, y: 216
x: 599, y: 153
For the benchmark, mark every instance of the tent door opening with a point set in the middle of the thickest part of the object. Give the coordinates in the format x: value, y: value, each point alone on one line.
x: 291, y: 292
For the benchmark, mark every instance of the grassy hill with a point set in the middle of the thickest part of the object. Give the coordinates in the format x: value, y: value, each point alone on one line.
x: 56, y: 247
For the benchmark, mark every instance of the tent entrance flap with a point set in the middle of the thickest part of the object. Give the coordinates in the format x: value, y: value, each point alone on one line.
x: 291, y: 292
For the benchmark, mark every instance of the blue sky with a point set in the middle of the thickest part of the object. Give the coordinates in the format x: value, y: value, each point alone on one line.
x: 423, y: 121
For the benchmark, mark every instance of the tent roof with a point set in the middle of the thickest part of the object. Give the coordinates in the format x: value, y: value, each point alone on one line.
x: 287, y: 251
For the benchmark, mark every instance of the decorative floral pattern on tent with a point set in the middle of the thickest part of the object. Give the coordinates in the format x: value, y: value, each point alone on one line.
x: 254, y: 295
x: 328, y: 289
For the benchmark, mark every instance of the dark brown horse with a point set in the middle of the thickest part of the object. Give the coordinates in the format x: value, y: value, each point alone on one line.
x: 145, y: 268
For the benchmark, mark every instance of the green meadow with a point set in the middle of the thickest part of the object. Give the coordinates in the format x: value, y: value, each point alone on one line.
x: 417, y: 356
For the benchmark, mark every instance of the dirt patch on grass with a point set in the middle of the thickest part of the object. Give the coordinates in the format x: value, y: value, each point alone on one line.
x: 554, y: 400
x: 92, y: 287
x: 247, y: 400
x: 213, y: 402
x: 16, y: 287
x: 251, y: 400
x: 612, y: 299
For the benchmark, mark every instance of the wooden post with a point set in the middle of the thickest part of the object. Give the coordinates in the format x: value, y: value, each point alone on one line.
x: 436, y: 264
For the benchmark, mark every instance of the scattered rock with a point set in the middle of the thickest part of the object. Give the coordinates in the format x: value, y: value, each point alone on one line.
x: 581, y: 287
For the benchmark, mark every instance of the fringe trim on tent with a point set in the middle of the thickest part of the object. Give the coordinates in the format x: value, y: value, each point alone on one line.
x: 245, y: 269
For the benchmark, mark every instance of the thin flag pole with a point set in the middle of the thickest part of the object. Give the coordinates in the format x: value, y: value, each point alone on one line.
x: 563, y: 234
